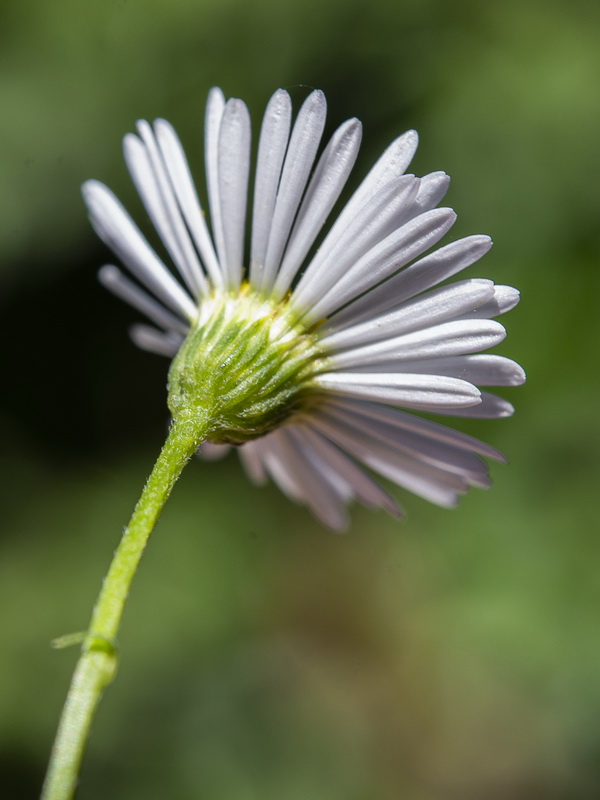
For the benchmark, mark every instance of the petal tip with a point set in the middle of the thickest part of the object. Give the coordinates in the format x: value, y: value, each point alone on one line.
x: 91, y: 186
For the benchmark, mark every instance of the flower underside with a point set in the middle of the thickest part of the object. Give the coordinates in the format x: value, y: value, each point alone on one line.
x: 246, y: 363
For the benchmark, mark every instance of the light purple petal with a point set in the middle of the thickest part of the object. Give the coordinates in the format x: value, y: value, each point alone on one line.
x: 325, y: 187
x: 117, y: 230
x: 272, y: 146
x: 234, y: 168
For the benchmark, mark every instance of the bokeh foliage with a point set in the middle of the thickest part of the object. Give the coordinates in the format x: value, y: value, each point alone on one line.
x: 454, y: 655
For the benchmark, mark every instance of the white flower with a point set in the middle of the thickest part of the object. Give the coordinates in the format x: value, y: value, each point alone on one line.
x: 382, y: 333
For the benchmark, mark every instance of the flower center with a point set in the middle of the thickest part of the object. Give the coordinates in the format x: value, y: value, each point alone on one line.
x: 246, y: 364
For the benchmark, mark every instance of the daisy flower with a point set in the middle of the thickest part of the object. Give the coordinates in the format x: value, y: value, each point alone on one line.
x: 311, y: 350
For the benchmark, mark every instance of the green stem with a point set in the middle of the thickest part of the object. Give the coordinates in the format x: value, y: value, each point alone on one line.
x: 98, y: 661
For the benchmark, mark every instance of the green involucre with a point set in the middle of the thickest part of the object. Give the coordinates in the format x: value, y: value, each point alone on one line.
x: 246, y: 365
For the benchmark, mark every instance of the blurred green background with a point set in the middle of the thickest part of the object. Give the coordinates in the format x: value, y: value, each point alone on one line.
x: 452, y: 656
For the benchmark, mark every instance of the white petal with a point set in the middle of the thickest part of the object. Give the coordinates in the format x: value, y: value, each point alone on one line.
x: 491, y: 407
x: 439, y: 454
x: 374, y: 223
x: 440, y: 341
x: 481, y: 370
x: 432, y: 190
x: 505, y: 299
x: 290, y: 469
x: 299, y: 159
x: 116, y: 229
x: 367, y: 491
x: 277, y: 466
x: 318, y: 465
x: 274, y: 135
x: 423, y: 274
x: 250, y: 456
x: 234, y: 168
x: 325, y: 187
x: 423, y: 427
x: 215, y: 107
x: 381, y: 182
x: 187, y: 196
x: 113, y: 279
x: 429, y: 309
x: 155, y: 341
x: 390, y: 255
x: 210, y: 451
x: 149, y: 175
x: 391, y: 164
x: 411, y: 391
x: 433, y: 484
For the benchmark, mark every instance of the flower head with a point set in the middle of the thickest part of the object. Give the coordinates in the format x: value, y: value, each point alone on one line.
x: 305, y: 361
